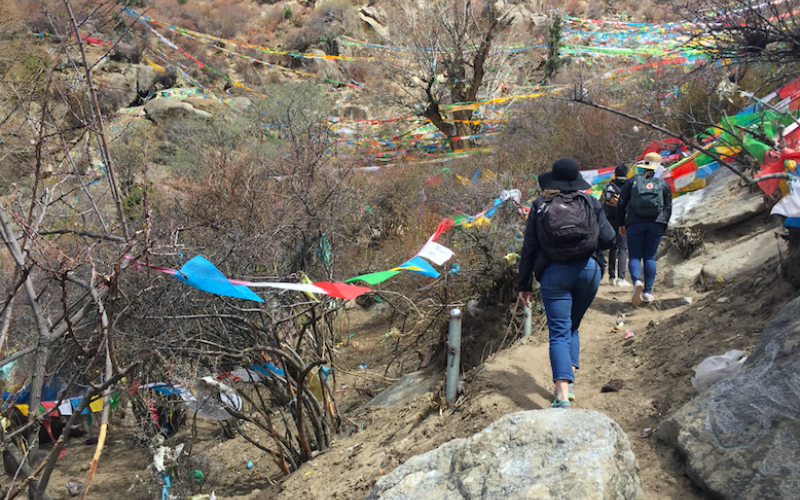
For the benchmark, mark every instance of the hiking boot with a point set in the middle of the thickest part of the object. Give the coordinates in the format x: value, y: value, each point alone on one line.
x: 561, y: 404
x: 636, y: 298
x: 647, y: 298
x: 620, y: 282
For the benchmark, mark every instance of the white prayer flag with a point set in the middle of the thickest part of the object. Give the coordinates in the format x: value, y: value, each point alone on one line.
x: 435, y: 253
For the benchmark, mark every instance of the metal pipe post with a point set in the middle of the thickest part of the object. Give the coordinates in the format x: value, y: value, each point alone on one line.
x: 453, y: 356
x: 526, y: 326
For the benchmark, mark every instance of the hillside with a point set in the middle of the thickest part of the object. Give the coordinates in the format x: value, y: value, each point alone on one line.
x: 229, y: 225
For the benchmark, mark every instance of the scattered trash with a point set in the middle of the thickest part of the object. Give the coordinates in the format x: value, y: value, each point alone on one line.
x: 75, y: 488
x: 723, y: 300
x: 717, y: 368
x: 91, y: 441
x: 308, y: 473
x: 613, y: 385
x: 250, y: 464
x: 196, y: 474
x: 455, y: 268
x: 363, y: 366
x: 628, y: 334
x: 647, y: 431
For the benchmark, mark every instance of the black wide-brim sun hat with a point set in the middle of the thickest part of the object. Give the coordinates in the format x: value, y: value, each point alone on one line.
x: 564, y: 176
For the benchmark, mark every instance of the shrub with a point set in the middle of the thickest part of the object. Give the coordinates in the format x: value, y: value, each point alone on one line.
x: 287, y: 12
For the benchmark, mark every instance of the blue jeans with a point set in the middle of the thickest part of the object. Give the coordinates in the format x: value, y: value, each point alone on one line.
x: 643, y: 240
x: 567, y: 292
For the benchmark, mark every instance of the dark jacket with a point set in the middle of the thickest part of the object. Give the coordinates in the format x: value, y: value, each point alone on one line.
x: 611, y: 212
x: 534, y: 261
x: 627, y: 217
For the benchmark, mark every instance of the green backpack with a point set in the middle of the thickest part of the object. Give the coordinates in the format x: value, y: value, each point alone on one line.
x: 647, y: 196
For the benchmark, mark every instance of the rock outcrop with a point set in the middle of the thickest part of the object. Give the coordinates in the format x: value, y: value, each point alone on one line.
x: 683, y: 275
x: 741, y: 258
x: 722, y: 204
x: 375, y: 17
x: 540, y: 454
x: 163, y: 109
x: 741, y: 437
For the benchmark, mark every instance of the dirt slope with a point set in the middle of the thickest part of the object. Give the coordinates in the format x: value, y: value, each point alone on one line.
x: 656, y: 366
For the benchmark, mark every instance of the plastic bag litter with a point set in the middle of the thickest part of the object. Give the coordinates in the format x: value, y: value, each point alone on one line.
x: 714, y: 369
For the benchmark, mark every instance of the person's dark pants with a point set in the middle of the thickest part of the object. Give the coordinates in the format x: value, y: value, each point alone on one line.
x: 643, y: 240
x: 618, y: 252
x: 567, y: 292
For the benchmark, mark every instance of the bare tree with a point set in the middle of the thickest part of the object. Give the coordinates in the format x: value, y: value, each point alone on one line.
x: 450, y: 52
x: 744, y: 32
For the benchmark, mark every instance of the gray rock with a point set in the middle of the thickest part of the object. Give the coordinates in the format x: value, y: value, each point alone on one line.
x: 576, y: 454
x: 115, y: 91
x: 145, y: 74
x: 163, y: 109
x: 128, y: 50
x: 381, y: 30
x: 741, y: 258
x: 740, y: 437
x: 356, y: 111
x: 325, y: 68
x: 720, y: 205
x: 411, y: 386
x: 375, y: 12
x: 683, y: 275
x: 241, y: 103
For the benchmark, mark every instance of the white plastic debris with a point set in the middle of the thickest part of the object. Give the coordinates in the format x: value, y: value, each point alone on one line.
x: 714, y: 369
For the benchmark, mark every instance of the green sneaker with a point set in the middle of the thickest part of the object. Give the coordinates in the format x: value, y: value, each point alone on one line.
x: 561, y: 404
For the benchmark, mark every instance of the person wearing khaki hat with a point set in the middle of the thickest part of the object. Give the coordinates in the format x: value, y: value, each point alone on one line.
x: 643, y: 212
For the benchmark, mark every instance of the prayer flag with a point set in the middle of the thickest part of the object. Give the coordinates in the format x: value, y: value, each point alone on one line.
x: 436, y: 253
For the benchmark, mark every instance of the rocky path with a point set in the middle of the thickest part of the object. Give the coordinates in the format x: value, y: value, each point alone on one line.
x: 523, y: 375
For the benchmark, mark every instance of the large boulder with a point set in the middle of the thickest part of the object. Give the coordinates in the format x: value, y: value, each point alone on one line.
x: 540, y: 454
x: 744, y: 257
x: 326, y: 68
x: 163, y: 109
x: 116, y: 90
x: 683, y: 275
x: 741, y: 437
x: 375, y: 17
x: 720, y: 205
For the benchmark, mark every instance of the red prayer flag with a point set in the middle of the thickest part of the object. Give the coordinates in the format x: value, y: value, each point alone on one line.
x: 790, y: 89
x: 342, y: 290
x: 773, y: 164
x: 443, y: 226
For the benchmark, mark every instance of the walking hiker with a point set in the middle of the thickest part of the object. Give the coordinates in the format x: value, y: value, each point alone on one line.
x: 566, y: 232
x: 643, y: 212
x: 618, y: 255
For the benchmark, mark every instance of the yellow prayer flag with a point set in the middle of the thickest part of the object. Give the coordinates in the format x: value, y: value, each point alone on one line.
x: 96, y: 405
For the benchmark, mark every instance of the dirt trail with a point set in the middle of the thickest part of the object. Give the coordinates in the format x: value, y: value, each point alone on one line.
x: 656, y: 366
x: 523, y: 375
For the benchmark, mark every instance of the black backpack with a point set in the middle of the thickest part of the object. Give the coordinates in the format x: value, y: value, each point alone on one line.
x: 647, y: 196
x: 568, y: 230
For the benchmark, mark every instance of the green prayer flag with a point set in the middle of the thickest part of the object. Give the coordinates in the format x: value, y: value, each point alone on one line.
x: 374, y: 278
